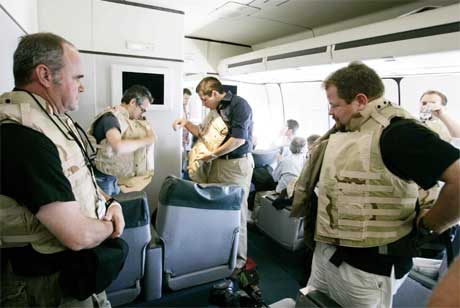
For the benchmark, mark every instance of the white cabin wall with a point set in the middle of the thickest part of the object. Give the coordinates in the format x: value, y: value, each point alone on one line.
x: 109, y: 33
x: 17, y: 18
x: 24, y: 12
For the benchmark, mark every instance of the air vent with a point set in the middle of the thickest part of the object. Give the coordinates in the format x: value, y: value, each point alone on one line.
x: 243, y: 63
x: 299, y: 53
x: 420, y: 10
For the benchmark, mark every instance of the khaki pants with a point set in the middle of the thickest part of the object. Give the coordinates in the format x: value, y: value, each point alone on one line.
x: 349, y: 286
x: 41, y: 291
x: 236, y: 171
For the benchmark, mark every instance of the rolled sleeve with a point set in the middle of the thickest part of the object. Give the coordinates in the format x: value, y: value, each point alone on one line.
x: 240, y: 121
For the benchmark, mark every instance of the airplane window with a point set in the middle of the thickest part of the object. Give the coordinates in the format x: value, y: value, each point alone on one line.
x: 413, y: 87
x: 256, y: 95
x: 306, y: 102
x: 391, y: 90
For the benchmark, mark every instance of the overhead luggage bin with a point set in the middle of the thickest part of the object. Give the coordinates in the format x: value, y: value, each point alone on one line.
x: 428, y: 32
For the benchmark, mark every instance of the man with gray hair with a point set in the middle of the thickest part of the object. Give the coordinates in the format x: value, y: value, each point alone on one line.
x: 53, y: 218
x: 289, y: 168
x: 120, y: 133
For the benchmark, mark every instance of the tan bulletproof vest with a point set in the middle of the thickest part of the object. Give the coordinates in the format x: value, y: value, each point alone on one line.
x: 133, y: 170
x: 427, y: 198
x: 360, y: 202
x: 213, y: 132
x: 18, y: 225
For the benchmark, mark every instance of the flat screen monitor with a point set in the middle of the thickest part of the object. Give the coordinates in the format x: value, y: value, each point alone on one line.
x: 153, y: 78
x: 231, y: 88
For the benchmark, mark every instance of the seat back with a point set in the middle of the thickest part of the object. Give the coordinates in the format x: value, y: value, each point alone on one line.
x: 279, y: 225
x: 137, y: 234
x: 265, y: 157
x: 199, y: 227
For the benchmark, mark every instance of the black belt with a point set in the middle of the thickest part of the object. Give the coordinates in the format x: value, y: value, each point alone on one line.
x: 233, y: 156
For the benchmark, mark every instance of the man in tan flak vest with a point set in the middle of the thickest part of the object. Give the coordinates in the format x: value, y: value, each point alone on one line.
x: 366, y: 172
x: 124, y: 143
x: 231, y: 160
x: 53, y: 218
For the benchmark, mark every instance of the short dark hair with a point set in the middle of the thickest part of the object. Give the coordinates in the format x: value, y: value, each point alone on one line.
x: 354, y: 79
x: 292, y: 125
x: 438, y: 93
x: 35, y: 49
x: 209, y: 84
x: 187, y: 91
x: 138, y: 92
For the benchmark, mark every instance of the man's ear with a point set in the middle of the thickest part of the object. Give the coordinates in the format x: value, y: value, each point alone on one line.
x: 44, y: 75
x: 132, y: 102
x: 362, y: 101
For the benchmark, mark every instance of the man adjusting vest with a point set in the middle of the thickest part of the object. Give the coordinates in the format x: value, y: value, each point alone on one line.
x: 123, y: 140
x: 359, y: 190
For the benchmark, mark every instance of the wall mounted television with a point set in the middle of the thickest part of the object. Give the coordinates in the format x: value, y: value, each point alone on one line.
x: 156, y: 79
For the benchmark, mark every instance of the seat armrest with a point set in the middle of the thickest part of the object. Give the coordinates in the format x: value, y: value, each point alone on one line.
x: 422, y: 279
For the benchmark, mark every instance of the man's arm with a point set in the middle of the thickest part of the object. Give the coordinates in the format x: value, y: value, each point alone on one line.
x: 231, y: 144
x: 114, y: 213
x: 413, y: 152
x: 194, y: 129
x: 125, y: 146
x: 74, y: 230
x: 450, y: 123
x: 446, y: 292
x: 446, y: 211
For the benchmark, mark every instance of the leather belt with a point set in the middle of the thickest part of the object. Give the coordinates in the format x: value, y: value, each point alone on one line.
x: 233, y: 156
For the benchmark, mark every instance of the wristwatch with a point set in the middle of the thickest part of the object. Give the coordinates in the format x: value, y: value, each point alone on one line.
x: 109, y: 202
x: 423, y: 229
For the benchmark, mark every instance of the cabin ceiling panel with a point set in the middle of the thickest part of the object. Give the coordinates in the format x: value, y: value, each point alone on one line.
x: 314, y: 13
x: 246, y: 30
x: 252, y: 22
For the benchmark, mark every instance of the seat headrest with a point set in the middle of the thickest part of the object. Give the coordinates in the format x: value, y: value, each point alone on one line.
x: 179, y: 192
x: 265, y: 157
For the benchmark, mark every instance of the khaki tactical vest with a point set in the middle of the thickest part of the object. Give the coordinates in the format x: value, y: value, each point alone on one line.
x: 18, y: 225
x: 133, y: 170
x: 360, y: 202
x: 427, y: 198
x: 213, y: 131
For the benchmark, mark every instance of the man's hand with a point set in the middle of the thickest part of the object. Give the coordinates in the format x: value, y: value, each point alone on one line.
x: 179, y: 122
x: 436, y: 110
x: 206, y: 157
x: 115, y: 215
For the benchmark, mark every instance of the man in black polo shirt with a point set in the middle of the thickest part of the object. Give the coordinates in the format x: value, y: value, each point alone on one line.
x: 369, y: 168
x: 232, y: 161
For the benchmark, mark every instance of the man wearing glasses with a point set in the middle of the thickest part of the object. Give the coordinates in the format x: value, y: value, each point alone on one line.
x: 123, y: 139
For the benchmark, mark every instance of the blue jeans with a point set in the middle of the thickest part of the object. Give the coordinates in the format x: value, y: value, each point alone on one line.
x: 108, y: 183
